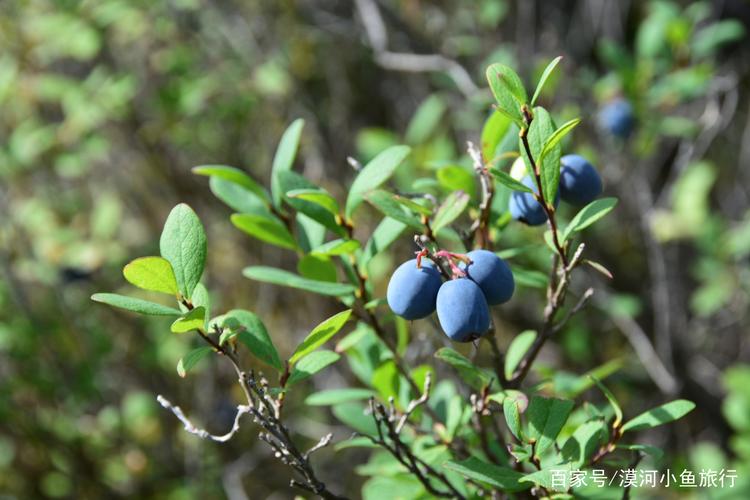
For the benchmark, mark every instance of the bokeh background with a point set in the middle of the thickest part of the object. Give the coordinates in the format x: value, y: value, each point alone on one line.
x: 105, y: 105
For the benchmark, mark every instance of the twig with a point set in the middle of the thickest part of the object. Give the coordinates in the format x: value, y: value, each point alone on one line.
x: 415, y: 403
x: 377, y: 37
x: 480, y: 226
x: 202, y: 433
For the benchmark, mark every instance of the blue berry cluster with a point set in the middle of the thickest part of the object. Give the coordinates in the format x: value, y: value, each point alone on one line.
x: 580, y: 184
x: 462, y: 303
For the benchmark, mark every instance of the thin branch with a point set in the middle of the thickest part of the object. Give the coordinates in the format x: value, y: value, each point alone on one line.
x: 377, y: 37
x: 202, y: 433
x: 480, y: 226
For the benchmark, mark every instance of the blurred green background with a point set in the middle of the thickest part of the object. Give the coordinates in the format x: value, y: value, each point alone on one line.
x: 105, y: 105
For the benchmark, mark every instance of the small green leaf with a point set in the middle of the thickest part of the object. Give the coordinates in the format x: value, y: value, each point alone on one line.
x: 236, y: 176
x: 268, y: 229
x: 508, y: 90
x: 589, y: 214
x: 183, y: 244
x: 290, y: 181
x: 553, y: 140
x: 546, y: 417
x: 317, y: 196
x: 388, y: 206
x: 135, y: 305
x: 529, y: 277
x: 503, y: 478
x: 584, y: 442
x: 237, y: 197
x: 467, y: 370
x: 545, y: 76
x: 612, y: 401
x: 494, y: 130
x: 151, y: 273
x: 382, y: 237
x: 317, y: 267
x: 506, y: 180
x: 516, y: 351
x: 539, y: 130
x: 453, y: 177
x: 336, y: 247
x: 201, y: 298
x: 284, y: 158
x: 253, y: 334
x: 192, y: 320
x: 655, y: 452
x: 285, y: 278
x: 413, y: 205
x: 660, y: 415
x: 453, y: 205
x: 512, y: 412
x: 191, y: 359
x: 375, y: 173
x: 336, y: 396
x: 310, y: 365
x: 321, y: 334
x: 425, y: 120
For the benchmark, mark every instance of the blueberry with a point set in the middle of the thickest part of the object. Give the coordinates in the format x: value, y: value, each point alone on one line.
x: 580, y: 184
x: 617, y: 118
x: 492, y: 274
x: 524, y: 207
x: 412, y: 291
x: 462, y: 310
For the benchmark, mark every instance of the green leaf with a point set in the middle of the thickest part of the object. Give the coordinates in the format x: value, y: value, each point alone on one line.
x: 183, y: 244
x: 584, y: 442
x: 467, y: 370
x: 506, y: 180
x: 413, y: 205
x: 284, y: 158
x: 492, y: 134
x: 545, y: 76
x: 508, y: 90
x: 425, y: 120
x: 516, y: 351
x: 310, y: 365
x: 151, y: 273
x: 253, y: 334
x: 353, y: 415
x: 612, y: 401
x: 192, y: 320
x: 135, y: 305
x: 237, y: 197
x: 321, y: 334
x: 546, y: 417
x: 337, y: 247
x: 317, y: 267
x: 660, y: 415
x: 191, y: 359
x: 453, y: 205
x: 201, y: 298
x: 503, y: 478
x: 544, y: 479
x: 385, y: 203
x: 589, y: 214
x: 655, y: 452
x: 553, y: 140
x: 285, y: 278
x: 317, y: 196
x: 268, y: 229
x: 290, y: 181
x: 382, y: 237
x: 540, y: 129
x: 529, y: 277
x: 453, y: 177
x: 336, y: 396
x: 236, y: 176
x: 375, y: 173
x: 512, y: 412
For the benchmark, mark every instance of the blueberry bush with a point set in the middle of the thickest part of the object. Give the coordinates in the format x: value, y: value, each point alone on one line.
x: 476, y: 429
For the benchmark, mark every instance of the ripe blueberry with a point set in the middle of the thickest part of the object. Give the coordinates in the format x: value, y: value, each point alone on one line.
x: 492, y: 274
x: 524, y: 207
x: 580, y: 183
x: 412, y: 291
x: 617, y: 118
x: 462, y: 310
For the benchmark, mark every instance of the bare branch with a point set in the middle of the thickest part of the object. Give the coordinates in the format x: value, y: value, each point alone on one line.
x: 202, y: 433
x: 377, y: 36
